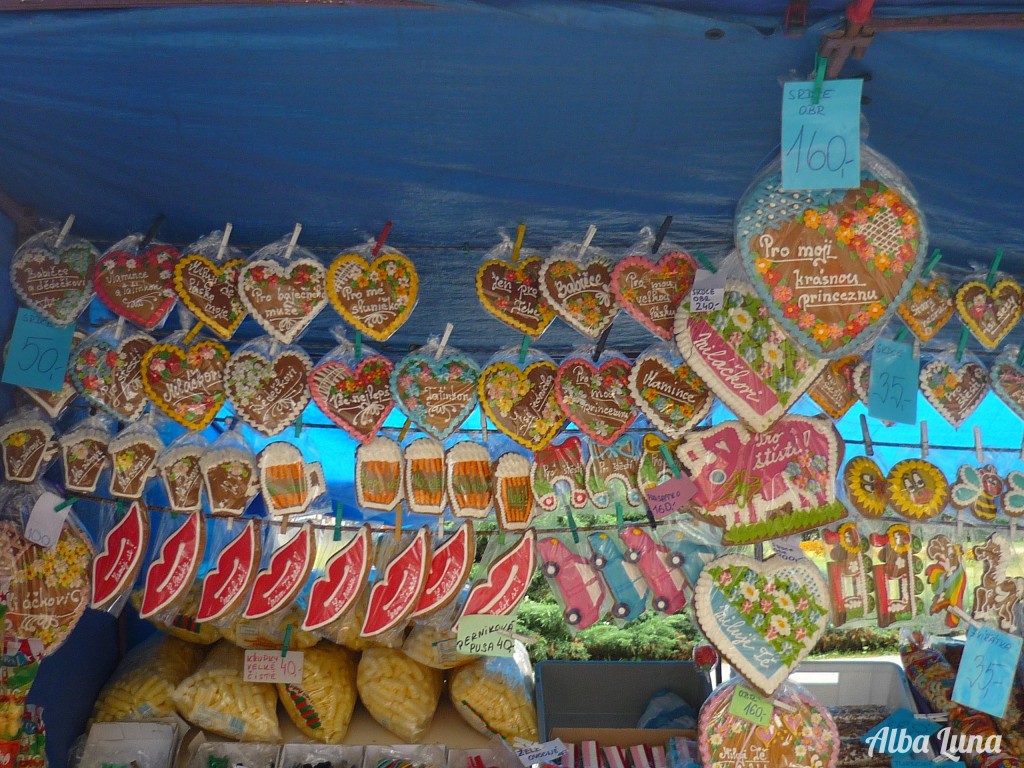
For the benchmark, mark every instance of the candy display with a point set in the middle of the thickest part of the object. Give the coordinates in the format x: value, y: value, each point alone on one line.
x: 216, y: 698
x: 399, y: 693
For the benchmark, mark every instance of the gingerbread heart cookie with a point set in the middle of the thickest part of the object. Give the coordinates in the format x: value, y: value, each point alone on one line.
x: 137, y: 284
x: 668, y: 392
x: 596, y: 397
x: 210, y: 291
x: 990, y: 313
x: 651, y: 290
x: 511, y: 292
x: 831, y: 267
x: 580, y: 291
x: 268, y: 391
x: 375, y: 297
x: 1007, y: 380
x: 928, y: 307
x: 436, y: 394
x: 54, y: 280
x: 356, y: 399
x: 284, y: 300
x: 834, y: 391
x: 763, y: 617
x: 108, y: 373
x: 186, y: 384
x: 746, y: 359
x: 955, y: 390
x: 521, y: 402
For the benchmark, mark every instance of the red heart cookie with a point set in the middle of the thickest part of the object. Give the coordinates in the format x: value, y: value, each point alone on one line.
x: 650, y: 291
x: 187, y: 385
x: 511, y: 292
x: 669, y: 393
x: 357, y: 400
x: 990, y: 313
x: 138, y: 285
x: 283, y: 299
x: 928, y: 307
x: 268, y: 394
x: 596, y: 399
x: 834, y: 391
x: 211, y: 292
x: 580, y: 292
x: 522, y: 403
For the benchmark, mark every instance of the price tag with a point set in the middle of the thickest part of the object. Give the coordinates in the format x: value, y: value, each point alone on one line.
x: 708, y: 291
x: 670, y: 496
x: 751, y: 706
x: 45, y: 521
x: 986, y: 670
x: 821, y: 142
x: 892, y: 391
x: 482, y: 635
x: 530, y: 753
x: 37, y: 356
x: 788, y: 548
x: 272, y: 667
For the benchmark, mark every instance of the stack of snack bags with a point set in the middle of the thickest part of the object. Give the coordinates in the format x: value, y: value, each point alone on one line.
x: 18, y: 671
x: 401, y: 694
x: 142, y: 686
x: 33, y: 739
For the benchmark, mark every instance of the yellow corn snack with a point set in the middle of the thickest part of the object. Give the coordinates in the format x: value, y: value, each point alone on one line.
x: 400, y: 694
x: 142, y: 686
x: 269, y: 632
x: 494, y: 689
x: 321, y: 706
x: 216, y: 698
x: 429, y: 644
x: 182, y: 623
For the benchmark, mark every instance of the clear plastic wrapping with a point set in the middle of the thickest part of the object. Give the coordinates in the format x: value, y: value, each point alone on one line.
x: 496, y: 694
x: 321, y: 705
x: 400, y: 694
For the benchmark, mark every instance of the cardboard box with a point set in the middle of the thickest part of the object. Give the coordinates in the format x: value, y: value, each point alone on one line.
x: 620, y: 737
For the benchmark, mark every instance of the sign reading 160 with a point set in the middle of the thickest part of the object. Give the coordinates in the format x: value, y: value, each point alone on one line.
x: 831, y: 155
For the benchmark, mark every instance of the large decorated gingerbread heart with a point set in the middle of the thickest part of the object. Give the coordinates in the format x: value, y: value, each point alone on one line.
x: 210, y: 291
x: 357, y: 400
x: 283, y: 299
x: 511, y: 292
x: 834, y: 391
x: 763, y: 617
x: 928, y: 306
x: 521, y: 402
x: 990, y: 313
x: 830, y: 266
x: 650, y: 290
x: 375, y: 298
x: 136, y: 284
x: 669, y: 393
x: 744, y: 356
x: 186, y: 384
x: 55, y: 283
x: 436, y: 394
x: 954, y: 389
x: 1007, y: 380
x: 763, y: 485
x: 580, y: 292
x: 109, y: 375
x: 595, y: 397
x: 268, y: 393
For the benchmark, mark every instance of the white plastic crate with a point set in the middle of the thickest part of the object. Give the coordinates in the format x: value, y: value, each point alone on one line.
x: 851, y: 683
x: 338, y: 755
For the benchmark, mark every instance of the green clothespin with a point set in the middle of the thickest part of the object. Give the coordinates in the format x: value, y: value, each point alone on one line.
x: 287, y: 640
x: 618, y: 515
x: 669, y: 459
x: 902, y: 334
x: 337, y: 521
x: 572, y: 527
x: 359, y: 345
x: 65, y: 504
x: 298, y: 425
x: 705, y: 262
x: 820, y: 65
x: 524, y: 347
x: 936, y: 258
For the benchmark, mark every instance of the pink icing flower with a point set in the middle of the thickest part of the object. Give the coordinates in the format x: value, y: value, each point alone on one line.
x: 806, y: 321
x: 782, y: 293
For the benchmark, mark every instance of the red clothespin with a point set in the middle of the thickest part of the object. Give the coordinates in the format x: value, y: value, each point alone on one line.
x: 796, y: 18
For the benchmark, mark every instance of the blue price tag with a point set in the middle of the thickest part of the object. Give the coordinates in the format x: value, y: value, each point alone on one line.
x: 821, y: 142
x: 892, y: 391
x: 37, y: 356
x: 986, y: 670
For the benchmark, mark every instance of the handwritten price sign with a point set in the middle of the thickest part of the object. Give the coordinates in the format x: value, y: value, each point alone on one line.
x: 751, y: 706
x: 37, y: 356
x: 272, y: 667
x: 986, y: 670
x: 821, y: 142
x: 892, y: 391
